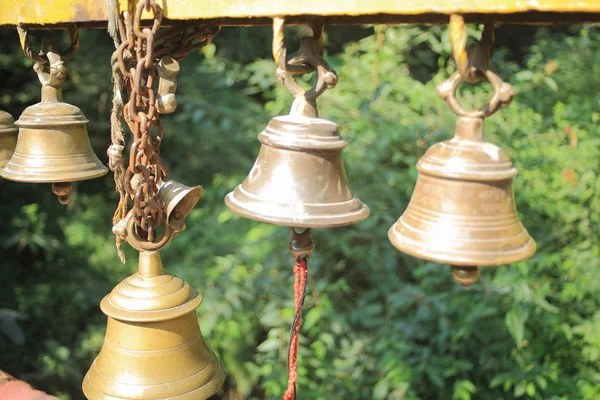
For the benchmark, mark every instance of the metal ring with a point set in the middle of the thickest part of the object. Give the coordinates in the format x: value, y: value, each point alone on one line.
x: 140, y: 244
x: 502, y: 95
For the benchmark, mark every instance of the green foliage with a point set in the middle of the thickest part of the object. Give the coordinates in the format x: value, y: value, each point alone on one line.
x: 377, y: 324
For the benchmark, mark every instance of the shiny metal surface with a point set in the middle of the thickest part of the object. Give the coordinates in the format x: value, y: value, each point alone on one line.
x: 8, y: 137
x: 462, y: 210
x: 153, y: 347
x: 178, y: 200
x: 53, y: 144
x: 298, y: 178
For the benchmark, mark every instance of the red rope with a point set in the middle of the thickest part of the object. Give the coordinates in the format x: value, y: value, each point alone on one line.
x: 300, y: 274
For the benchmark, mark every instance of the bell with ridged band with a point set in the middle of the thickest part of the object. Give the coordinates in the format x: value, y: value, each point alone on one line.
x: 153, y: 348
x: 462, y: 211
x: 298, y: 178
x: 8, y: 138
x: 53, y: 144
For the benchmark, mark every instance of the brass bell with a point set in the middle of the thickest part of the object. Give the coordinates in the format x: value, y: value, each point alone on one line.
x: 8, y: 137
x: 53, y: 144
x: 462, y: 210
x: 298, y: 178
x: 153, y: 348
x: 179, y: 200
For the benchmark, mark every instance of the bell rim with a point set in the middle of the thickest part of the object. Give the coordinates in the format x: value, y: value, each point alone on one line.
x: 98, y: 172
x: 412, y: 247
x: 346, y: 219
x: 91, y: 392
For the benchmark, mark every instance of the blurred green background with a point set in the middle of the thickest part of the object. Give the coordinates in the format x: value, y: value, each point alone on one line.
x: 378, y: 324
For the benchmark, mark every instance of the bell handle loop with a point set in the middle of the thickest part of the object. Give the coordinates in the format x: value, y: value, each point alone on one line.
x: 142, y: 245
x: 301, y: 245
x: 502, y: 95
x: 309, y: 59
x: 41, y: 57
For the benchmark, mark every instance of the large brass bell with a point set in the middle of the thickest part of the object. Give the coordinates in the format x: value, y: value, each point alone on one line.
x: 153, y: 347
x: 53, y: 144
x: 8, y: 138
x: 298, y: 178
x: 462, y: 210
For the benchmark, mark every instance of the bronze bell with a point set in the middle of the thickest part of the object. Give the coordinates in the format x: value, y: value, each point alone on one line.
x: 298, y: 178
x: 153, y: 348
x: 53, y: 144
x: 462, y: 210
x: 179, y: 200
x: 8, y: 137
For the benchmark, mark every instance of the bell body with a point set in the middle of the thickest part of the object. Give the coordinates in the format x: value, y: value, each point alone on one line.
x: 298, y: 178
x: 153, y: 347
x: 462, y: 210
x: 8, y: 138
x: 53, y: 146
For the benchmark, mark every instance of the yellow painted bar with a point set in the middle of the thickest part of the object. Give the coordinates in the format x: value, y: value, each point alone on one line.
x: 249, y: 12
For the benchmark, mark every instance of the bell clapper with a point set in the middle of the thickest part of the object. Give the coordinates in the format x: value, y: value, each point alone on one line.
x: 62, y: 190
x: 465, y: 275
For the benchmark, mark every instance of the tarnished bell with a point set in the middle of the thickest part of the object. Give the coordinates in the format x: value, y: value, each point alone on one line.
x: 462, y: 210
x: 298, y: 178
x: 179, y: 200
x: 8, y: 137
x: 53, y: 144
x: 153, y: 347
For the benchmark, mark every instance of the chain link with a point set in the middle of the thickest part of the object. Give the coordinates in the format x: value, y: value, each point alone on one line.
x: 138, y: 58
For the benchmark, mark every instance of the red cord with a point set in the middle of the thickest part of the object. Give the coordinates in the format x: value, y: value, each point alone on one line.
x: 300, y: 274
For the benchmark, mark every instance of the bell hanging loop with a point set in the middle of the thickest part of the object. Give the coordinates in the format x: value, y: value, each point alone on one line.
x: 462, y: 211
x: 53, y: 144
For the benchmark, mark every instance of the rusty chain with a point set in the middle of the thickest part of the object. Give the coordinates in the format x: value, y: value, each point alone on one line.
x: 138, y: 60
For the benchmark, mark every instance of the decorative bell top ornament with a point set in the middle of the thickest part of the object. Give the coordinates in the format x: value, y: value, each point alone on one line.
x: 53, y: 144
x: 8, y: 137
x: 298, y: 179
x: 462, y: 210
x: 153, y: 347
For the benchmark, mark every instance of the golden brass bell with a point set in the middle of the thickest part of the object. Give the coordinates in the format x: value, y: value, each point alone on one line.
x: 153, y: 348
x: 53, y: 144
x: 179, y: 200
x: 8, y: 138
x: 298, y: 178
x: 462, y: 210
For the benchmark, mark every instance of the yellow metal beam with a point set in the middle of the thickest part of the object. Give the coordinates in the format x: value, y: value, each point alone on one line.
x: 254, y: 12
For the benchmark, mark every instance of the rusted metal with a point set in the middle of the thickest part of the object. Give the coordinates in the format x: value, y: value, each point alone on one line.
x: 462, y: 211
x: 153, y: 348
x: 261, y: 12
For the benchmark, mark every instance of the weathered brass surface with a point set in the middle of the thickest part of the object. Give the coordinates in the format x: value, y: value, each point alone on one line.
x: 298, y: 178
x: 153, y: 347
x: 252, y: 12
x: 53, y: 144
x: 178, y: 200
x: 462, y: 210
x: 8, y: 137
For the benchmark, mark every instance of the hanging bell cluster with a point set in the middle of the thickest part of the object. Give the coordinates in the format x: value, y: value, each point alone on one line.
x: 8, y: 138
x: 462, y: 211
x: 53, y: 144
x: 153, y: 348
x: 298, y: 179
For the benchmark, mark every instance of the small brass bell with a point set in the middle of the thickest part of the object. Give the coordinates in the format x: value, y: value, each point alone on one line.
x: 8, y: 138
x: 153, y: 348
x: 53, y: 144
x: 462, y: 210
x: 298, y: 178
x: 178, y: 200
